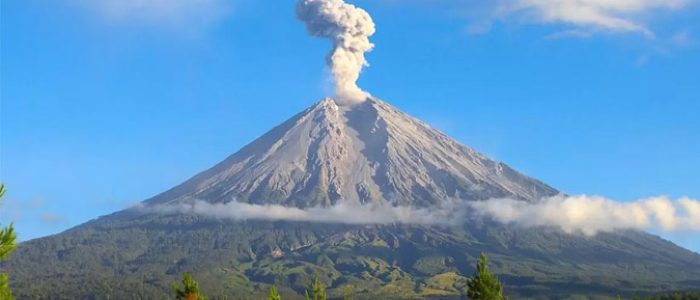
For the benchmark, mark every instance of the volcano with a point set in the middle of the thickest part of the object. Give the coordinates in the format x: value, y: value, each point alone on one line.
x: 366, y: 154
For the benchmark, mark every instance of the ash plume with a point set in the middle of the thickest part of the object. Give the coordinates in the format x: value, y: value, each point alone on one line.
x: 349, y: 28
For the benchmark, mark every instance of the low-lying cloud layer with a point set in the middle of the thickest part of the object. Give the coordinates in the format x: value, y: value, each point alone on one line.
x: 340, y: 213
x: 573, y: 214
x: 591, y: 215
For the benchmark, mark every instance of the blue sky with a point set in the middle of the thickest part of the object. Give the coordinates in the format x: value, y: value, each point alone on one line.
x: 106, y: 104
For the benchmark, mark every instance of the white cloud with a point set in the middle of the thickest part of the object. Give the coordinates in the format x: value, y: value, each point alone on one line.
x: 573, y: 214
x: 340, y: 213
x: 588, y: 16
x: 188, y: 14
x: 593, y: 214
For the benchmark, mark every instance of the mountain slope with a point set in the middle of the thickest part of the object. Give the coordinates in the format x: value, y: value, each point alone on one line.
x: 369, y: 153
x: 139, y: 256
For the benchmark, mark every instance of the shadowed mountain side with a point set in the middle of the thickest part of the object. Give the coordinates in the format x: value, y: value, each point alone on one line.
x: 142, y: 255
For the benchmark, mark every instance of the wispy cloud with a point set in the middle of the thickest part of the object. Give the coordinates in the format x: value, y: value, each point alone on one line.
x: 683, y: 39
x: 666, y: 47
x: 51, y: 218
x: 573, y: 214
x: 180, y: 14
x: 14, y: 209
x: 583, y: 17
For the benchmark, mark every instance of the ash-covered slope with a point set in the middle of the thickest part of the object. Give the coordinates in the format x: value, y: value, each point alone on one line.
x: 369, y: 152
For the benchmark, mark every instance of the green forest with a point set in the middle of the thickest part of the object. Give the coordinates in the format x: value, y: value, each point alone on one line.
x: 483, y: 285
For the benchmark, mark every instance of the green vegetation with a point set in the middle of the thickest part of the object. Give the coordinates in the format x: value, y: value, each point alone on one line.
x: 273, y: 294
x: 481, y: 286
x: 189, y: 290
x: 347, y: 293
x: 139, y: 256
x: 318, y: 290
x: 672, y: 296
x: 484, y: 285
x: 7, y: 245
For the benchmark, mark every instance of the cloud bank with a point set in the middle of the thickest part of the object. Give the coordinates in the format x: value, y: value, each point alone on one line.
x: 349, y: 28
x: 593, y: 214
x: 588, y: 215
x: 339, y: 213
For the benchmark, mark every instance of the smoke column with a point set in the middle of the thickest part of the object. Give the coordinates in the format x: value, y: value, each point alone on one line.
x: 349, y: 28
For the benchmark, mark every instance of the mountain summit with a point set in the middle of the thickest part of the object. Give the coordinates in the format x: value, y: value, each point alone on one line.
x: 365, y: 153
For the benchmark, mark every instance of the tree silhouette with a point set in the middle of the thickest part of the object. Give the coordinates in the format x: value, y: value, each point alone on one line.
x: 189, y: 290
x: 273, y: 294
x: 8, y: 244
x: 318, y: 291
x: 484, y: 285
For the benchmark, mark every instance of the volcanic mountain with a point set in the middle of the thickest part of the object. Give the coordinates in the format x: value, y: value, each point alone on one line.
x: 369, y: 153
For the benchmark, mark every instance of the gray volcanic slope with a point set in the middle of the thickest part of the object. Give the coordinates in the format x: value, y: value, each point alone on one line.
x: 370, y: 152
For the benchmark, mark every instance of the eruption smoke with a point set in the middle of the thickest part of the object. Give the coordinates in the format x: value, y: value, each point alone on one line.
x: 350, y: 28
